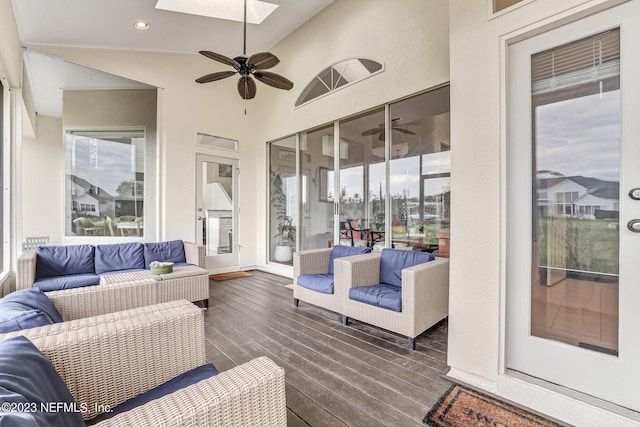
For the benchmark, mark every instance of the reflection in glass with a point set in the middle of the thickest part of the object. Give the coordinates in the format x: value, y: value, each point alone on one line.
x: 361, y: 184
x: 217, y: 205
x: 283, y: 218
x: 419, y: 170
x: 576, y: 203
x: 104, y: 183
x: 316, y: 163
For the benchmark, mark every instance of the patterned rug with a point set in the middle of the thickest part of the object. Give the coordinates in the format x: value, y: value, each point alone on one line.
x: 229, y: 276
x: 464, y: 407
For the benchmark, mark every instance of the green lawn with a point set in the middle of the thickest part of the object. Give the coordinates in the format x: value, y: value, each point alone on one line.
x: 579, y: 244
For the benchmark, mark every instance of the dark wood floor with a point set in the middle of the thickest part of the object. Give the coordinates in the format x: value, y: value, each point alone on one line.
x: 336, y: 375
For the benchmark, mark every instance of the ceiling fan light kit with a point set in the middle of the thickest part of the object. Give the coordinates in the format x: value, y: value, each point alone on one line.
x: 247, y: 68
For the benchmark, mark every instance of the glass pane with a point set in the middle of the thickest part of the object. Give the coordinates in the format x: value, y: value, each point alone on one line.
x: 316, y: 160
x: 105, y: 183
x: 217, y: 204
x: 362, y: 180
x: 420, y: 170
x: 283, y: 200
x: 499, y: 5
x: 576, y: 140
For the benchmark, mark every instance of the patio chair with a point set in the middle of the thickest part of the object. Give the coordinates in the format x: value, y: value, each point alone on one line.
x: 313, y: 276
x: 404, y: 292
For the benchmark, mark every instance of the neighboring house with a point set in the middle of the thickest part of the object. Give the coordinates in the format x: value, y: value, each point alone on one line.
x: 578, y: 196
x: 89, y: 200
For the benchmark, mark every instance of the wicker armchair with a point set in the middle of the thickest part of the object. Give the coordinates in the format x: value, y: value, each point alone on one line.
x: 424, y: 294
x: 318, y: 286
x: 108, y: 359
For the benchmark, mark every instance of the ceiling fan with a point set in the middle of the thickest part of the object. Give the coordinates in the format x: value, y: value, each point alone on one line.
x: 247, y: 67
x: 380, y: 130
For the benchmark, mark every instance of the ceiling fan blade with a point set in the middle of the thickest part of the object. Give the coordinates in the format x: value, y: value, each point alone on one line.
x: 220, y: 58
x: 262, y: 60
x: 247, y: 87
x: 372, y: 131
x: 408, y: 132
x: 215, y: 76
x: 273, y: 79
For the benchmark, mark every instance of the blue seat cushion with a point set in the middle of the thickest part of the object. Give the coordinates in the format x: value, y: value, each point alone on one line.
x: 120, y: 256
x: 181, y: 381
x: 317, y: 282
x: 340, y: 251
x: 27, y: 308
x: 382, y: 295
x: 64, y: 260
x: 393, y: 261
x: 27, y: 377
x: 67, y: 282
x: 171, y: 251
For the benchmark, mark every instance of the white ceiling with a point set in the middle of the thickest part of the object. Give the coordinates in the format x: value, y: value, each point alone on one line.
x: 108, y: 24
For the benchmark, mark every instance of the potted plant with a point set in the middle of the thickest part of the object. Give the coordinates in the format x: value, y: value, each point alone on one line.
x: 286, y: 230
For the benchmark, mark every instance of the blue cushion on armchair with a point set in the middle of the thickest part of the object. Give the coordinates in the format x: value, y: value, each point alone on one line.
x: 119, y: 256
x: 64, y: 260
x: 27, y: 377
x: 317, y: 282
x: 171, y: 251
x: 383, y: 296
x: 393, y: 261
x: 26, y: 308
x: 340, y: 251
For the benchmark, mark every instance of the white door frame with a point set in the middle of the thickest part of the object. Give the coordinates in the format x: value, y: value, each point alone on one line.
x: 226, y: 259
x: 611, y: 378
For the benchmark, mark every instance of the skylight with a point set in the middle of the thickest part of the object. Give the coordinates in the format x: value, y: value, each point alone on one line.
x: 232, y: 10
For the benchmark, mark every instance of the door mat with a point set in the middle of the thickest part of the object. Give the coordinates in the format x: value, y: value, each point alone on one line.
x: 463, y: 407
x: 229, y: 276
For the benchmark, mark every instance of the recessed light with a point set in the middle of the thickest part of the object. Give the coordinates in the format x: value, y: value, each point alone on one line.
x: 141, y: 25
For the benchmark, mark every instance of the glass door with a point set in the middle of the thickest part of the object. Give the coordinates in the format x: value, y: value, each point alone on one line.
x: 216, y: 205
x: 572, y: 295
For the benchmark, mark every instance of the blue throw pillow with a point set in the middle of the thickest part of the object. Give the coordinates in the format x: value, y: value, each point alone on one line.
x: 64, y: 260
x: 393, y: 261
x: 120, y: 256
x: 27, y: 308
x: 340, y: 251
x: 28, y: 381
x: 171, y: 251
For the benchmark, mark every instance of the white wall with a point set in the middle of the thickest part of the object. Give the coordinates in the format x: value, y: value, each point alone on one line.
x: 476, y: 312
x: 42, y: 181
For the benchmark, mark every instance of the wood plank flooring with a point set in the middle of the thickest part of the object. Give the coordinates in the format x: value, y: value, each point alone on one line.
x: 336, y: 375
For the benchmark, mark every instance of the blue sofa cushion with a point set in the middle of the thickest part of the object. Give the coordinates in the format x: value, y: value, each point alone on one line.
x: 171, y: 251
x: 394, y: 260
x: 340, y: 251
x: 181, y: 381
x: 27, y: 377
x: 64, y: 260
x: 67, y: 282
x: 382, y: 295
x: 120, y: 256
x: 317, y: 282
x: 26, y: 308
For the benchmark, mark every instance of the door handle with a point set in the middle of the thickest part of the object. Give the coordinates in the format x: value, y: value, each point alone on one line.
x: 199, y: 218
x: 634, y: 225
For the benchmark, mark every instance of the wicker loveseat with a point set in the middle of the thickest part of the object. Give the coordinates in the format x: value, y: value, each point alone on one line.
x: 55, y: 268
x: 106, y: 360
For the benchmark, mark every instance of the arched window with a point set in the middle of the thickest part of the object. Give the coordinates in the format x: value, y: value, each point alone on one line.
x: 338, y: 75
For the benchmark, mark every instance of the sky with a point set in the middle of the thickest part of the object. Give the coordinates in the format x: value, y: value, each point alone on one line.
x: 580, y: 136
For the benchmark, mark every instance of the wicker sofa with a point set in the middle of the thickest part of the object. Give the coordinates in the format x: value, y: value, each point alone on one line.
x: 56, y: 268
x: 108, y: 359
